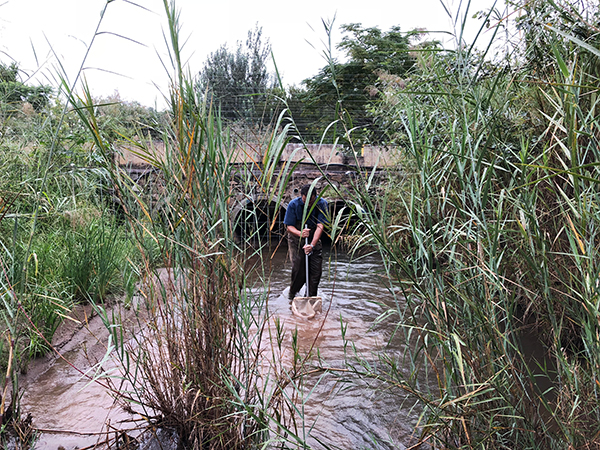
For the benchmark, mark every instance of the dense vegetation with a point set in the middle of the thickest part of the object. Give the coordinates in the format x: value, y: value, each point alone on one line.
x: 490, y: 235
x: 238, y: 84
x: 497, y: 232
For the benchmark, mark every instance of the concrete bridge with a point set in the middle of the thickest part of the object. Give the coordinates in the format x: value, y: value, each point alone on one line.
x: 255, y: 211
x: 329, y: 165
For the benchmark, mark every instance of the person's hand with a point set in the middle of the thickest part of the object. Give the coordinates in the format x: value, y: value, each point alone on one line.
x: 308, y: 249
x: 305, y: 233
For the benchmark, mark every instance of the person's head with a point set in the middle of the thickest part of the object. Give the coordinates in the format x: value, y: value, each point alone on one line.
x: 304, y: 193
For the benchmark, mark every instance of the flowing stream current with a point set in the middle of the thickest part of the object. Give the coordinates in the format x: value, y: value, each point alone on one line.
x: 342, y: 412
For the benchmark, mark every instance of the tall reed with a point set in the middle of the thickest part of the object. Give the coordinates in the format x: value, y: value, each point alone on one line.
x: 499, y: 233
x: 500, y: 237
x: 196, y: 355
x: 50, y: 186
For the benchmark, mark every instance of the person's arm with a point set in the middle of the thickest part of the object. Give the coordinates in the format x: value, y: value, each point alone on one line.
x: 296, y: 232
x: 308, y: 248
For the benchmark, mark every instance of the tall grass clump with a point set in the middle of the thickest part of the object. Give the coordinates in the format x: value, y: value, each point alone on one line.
x: 52, y: 187
x: 193, y: 355
x: 74, y: 252
x: 96, y: 255
x: 499, y: 247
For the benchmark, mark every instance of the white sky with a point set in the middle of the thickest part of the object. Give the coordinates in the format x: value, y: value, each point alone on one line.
x: 32, y: 32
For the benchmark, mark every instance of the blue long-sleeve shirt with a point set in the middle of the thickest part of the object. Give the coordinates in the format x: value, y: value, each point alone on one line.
x: 295, y: 210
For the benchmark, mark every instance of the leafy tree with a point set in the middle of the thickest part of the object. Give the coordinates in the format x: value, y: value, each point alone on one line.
x: 119, y: 119
x: 345, y: 90
x: 9, y: 73
x: 375, y: 51
x: 236, y: 81
x: 13, y: 92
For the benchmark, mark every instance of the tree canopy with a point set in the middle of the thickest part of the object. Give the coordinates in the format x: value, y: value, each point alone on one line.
x: 236, y: 81
x: 14, y: 92
x: 344, y: 90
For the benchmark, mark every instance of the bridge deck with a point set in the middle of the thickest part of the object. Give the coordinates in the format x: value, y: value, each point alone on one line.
x: 323, y: 155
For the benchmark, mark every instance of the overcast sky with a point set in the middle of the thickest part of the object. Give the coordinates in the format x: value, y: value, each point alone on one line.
x: 38, y: 33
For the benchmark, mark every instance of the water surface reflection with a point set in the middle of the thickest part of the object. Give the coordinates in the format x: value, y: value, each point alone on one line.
x: 340, y: 410
x: 344, y: 410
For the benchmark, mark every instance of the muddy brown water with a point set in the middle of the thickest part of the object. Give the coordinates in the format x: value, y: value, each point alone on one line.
x: 345, y: 413
x: 71, y: 410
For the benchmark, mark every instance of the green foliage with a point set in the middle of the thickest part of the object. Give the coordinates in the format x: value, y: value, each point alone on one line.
x: 51, y: 183
x: 341, y: 93
x: 79, y: 259
x: 197, y: 369
x: 96, y: 252
x: 13, y: 93
x: 237, y: 82
x: 36, y: 268
x: 9, y: 73
x: 494, y: 226
x: 120, y: 120
x: 501, y: 232
x: 44, y: 303
x: 545, y: 25
x: 376, y: 51
x: 197, y: 363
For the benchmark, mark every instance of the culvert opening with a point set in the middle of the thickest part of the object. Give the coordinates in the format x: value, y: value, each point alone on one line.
x: 260, y: 220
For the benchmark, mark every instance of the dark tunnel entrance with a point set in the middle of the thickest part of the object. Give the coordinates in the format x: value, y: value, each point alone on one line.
x: 260, y: 220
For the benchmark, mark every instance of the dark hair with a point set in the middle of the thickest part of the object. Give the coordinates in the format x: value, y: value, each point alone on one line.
x: 304, y: 190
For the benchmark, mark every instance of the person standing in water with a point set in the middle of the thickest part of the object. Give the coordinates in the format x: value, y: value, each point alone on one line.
x: 315, y: 214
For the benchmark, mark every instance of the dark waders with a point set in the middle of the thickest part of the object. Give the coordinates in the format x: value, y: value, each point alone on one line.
x: 298, y: 258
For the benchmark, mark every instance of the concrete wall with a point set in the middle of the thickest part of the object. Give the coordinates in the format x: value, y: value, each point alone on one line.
x: 126, y: 154
x: 367, y: 156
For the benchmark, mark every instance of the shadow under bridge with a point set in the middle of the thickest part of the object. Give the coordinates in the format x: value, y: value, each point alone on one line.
x: 261, y: 219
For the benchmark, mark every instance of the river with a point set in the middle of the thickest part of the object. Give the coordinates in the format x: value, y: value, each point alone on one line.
x: 347, y: 412
x: 339, y: 411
